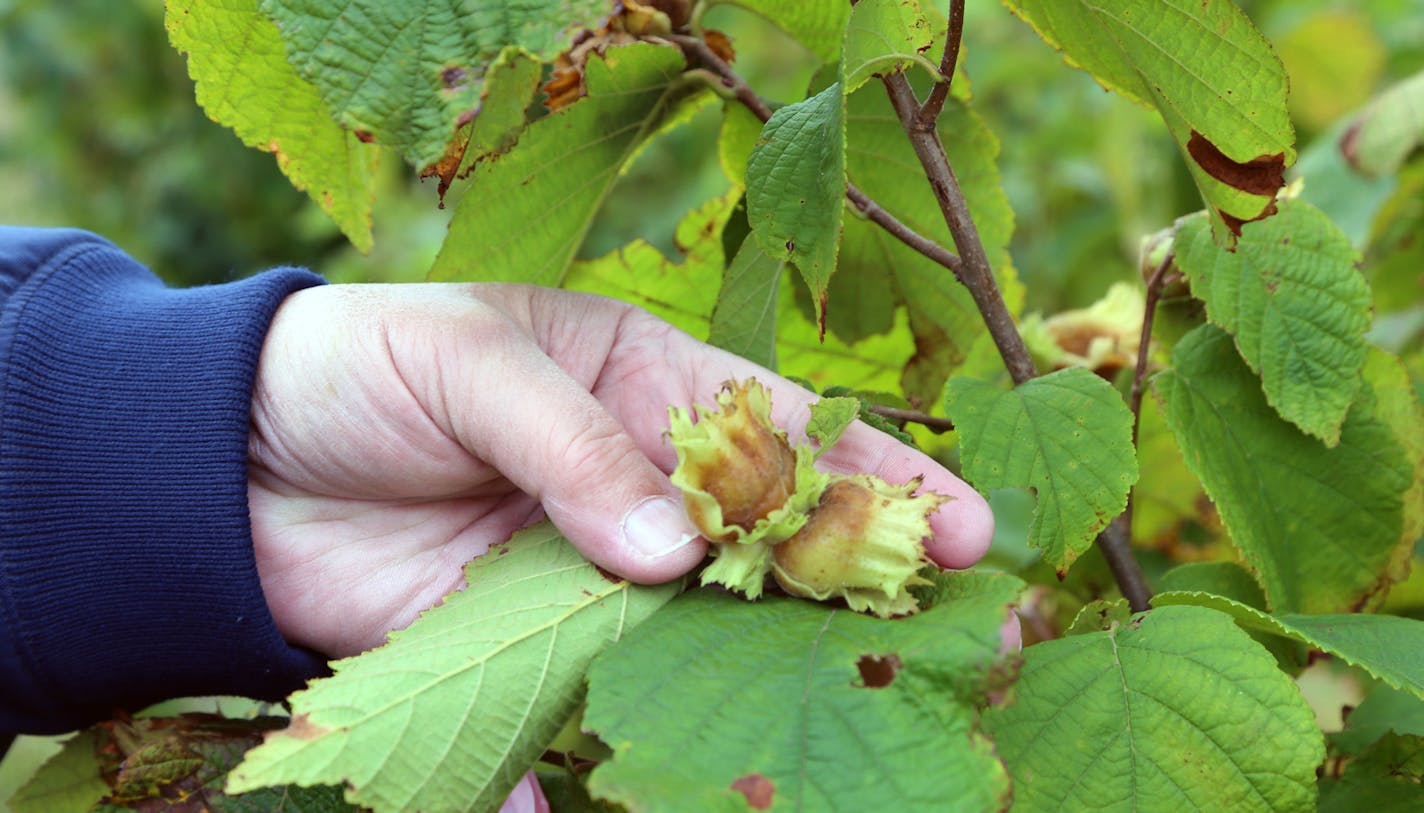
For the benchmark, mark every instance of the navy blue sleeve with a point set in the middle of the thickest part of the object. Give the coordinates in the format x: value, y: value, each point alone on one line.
x: 126, y: 566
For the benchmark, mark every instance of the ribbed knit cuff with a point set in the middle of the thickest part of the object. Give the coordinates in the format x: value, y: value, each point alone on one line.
x: 126, y: 566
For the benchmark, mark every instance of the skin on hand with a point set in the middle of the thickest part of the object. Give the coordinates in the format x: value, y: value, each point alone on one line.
x: 399, y: 431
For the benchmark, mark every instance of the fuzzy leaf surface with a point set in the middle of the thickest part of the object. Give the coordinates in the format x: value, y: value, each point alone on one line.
x: 405, y: 71
x: 1296, y: 304
x: 784, y: 704
x: 1390, y: 647
x: 524, y: 215
x: 1066, y: 435
x: 1175, y: 710
x: 454, y: 709
x: 1321, y: 527
x: 744, y: 319
x: 884, y: 37
x: 243, y: 81
x: 796, y: 187
x: 829, y: 419
x: 1205, y: 68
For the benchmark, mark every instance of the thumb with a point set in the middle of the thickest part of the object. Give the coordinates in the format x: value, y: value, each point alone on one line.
x: 559, y: 444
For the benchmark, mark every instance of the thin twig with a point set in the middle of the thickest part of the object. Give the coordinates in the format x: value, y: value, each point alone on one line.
x: 696, y: 48
x: 933, y: 423
x: 1116, y: 546
x: 928, y: 114
x: 1155, y: 284
x: 976, y: 273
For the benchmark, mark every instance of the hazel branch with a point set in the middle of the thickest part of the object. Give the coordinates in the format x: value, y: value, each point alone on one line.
x: 929, y: 112
x: 934, y: 424
x: 696, y: 50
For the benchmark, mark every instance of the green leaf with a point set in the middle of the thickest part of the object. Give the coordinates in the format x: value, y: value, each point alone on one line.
x: 510, y: 84
x: 1383, y: 710
x: 796, y: 187
x: 1384, y: 779
x: 69, y: 780
x: 1387, y: 646
x: 406, y: 72
x: 1319, y: 526
x: 1226, y: 579
x: 243, y: 81
x: 1388, y: 130
x: 1175, y: 710
x: 1292, y: 297
x: 785, y: 704
x: 1205, y: 68
x: 454, y: 709
x: 744, y: 320
x: 818, y: 26
x: 829, y: 419
x: 1066, y: 435
x: 885, y: 37
x: 524, y: 215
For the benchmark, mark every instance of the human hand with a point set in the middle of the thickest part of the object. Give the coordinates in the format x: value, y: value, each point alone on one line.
x: 399, y: 431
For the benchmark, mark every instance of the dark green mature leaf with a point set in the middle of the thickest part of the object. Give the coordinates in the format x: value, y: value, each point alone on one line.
x: 783, y: 704
x: 1388, y: 778
x: 404, y: 72
x: 548, y: 189
x: 1321, y: 527
x: 885, y: 37
x: 450, y: 714
x: 1175, y: 710
x: 1298, y: 307
x: 1383, y: 710
x: 1387, y: 646
x: 1066, y: 435
x: 744, y: 320
x: 796, y: 187
x: 1388, y: 130
x: 818, y: 26
x: 243, y: 80
x: 1226, y: 579
x: 1205, y: 68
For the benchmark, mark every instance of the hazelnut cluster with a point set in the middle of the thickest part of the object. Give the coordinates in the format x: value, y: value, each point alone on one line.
x: 766, y: 509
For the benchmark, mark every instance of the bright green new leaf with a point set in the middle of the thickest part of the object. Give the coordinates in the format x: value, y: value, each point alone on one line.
x: 744, y: 320
x: 524, y: 215
x: 796, y: 187
x: 1389, y: 130
x: 1066, y: 435
x: 1175, y: 710
x: 450, y: 714
x: 783, y: 704
x: 404, y: 73
x: 819, y: 26
x: 829, y: 419
x: 1389, y: 647
x: 1205, y: 68
x: 1319, y: 526
x: 243, y: 81
x: 884, y: 37
x: 1298, y: 307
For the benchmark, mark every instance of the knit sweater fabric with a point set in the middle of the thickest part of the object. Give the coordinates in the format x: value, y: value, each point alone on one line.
x: 127, y: 573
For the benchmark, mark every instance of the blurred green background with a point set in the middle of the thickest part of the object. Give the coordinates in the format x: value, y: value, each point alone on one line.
x: 98, y: 129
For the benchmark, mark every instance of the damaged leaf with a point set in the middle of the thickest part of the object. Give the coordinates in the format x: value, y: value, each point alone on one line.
x: 771, y: 705
x: 1215, y: 80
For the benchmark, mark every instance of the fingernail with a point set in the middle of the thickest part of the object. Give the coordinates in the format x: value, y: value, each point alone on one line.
x: 656, y: 527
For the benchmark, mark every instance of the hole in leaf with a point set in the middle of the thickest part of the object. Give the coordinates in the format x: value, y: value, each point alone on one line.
x: 878, y: 671
x: 757, y: 789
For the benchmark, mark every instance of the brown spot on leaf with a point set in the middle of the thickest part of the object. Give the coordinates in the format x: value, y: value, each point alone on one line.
x: 1235, y: 223
x: 364, y: 136
x: 878, y: 671
x: 757, y: 789
x: 303, y: 728
x: 454, y: 77
x: 1262, y: 175
x: 608, y: 575
x: 720, y: 44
